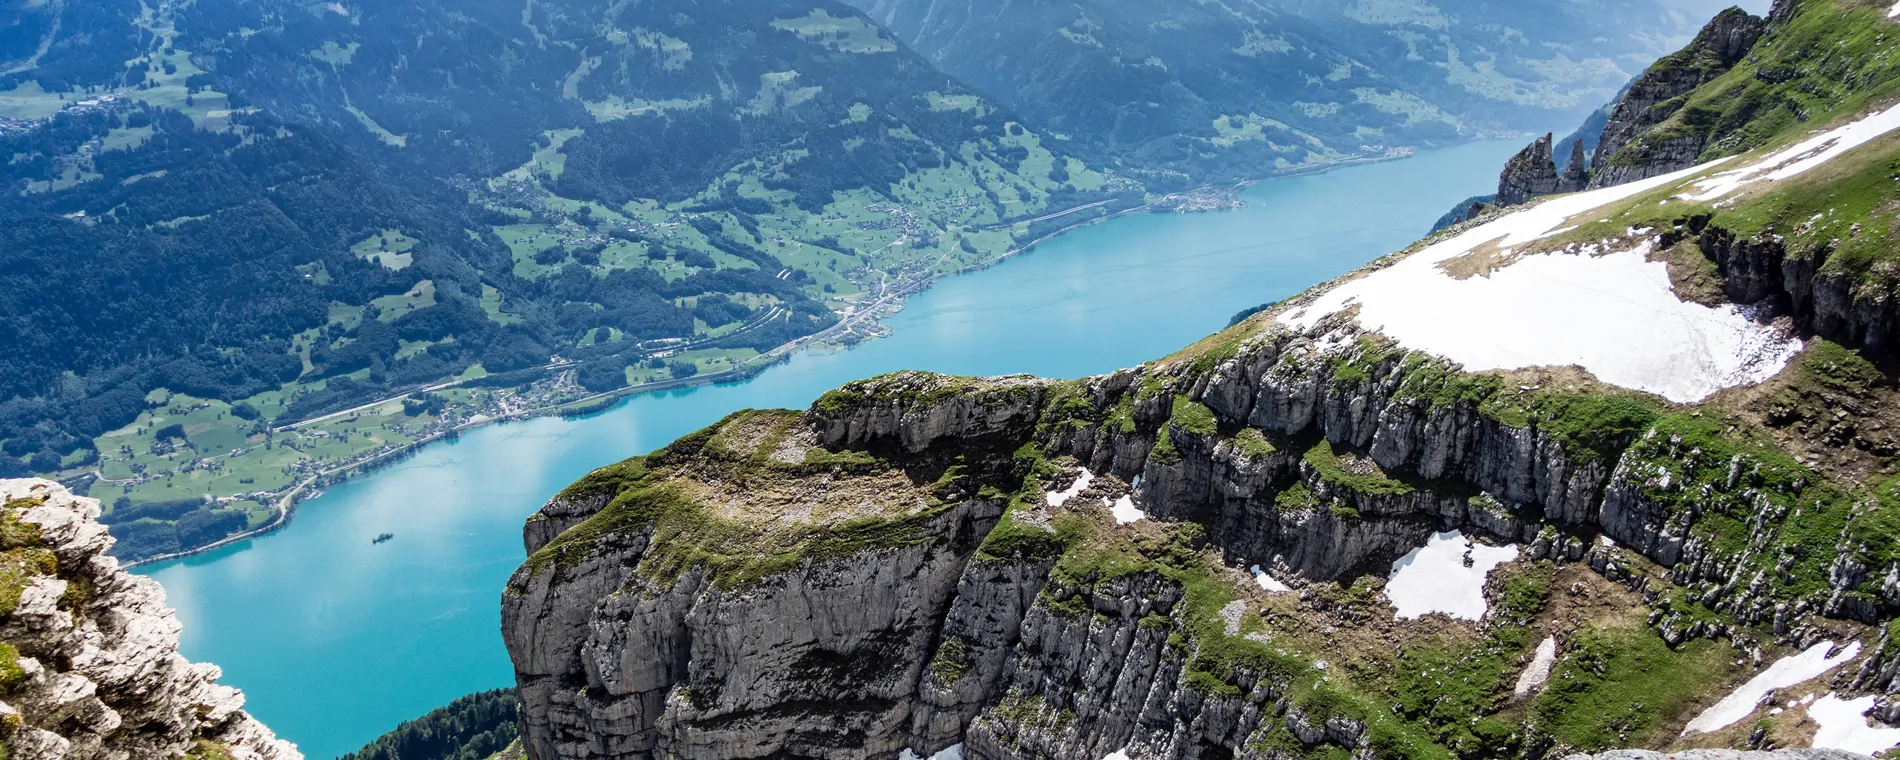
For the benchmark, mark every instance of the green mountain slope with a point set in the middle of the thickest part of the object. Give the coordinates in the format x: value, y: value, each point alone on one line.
x: 273, y: 211
x: 1825, y: 58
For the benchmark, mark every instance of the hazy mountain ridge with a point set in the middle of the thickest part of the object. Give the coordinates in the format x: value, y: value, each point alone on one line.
x: 1258, y: 84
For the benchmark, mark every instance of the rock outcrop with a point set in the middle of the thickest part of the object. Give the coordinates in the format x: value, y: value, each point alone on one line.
x: 1530, y: 174
x: 1850, y: 305
x: 1576, y: 176
x: 1630, y: 148
x: 624, y: 649
x: 1533, y: 174
x: 89, y: 663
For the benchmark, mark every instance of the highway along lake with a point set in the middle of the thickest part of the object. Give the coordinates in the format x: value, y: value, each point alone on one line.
x: 335, y: 639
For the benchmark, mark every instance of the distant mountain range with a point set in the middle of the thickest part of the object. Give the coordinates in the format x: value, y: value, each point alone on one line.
x: 1188, y: 91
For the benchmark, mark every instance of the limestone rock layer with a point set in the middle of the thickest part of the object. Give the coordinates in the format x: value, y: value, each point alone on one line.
x: 89, y: 662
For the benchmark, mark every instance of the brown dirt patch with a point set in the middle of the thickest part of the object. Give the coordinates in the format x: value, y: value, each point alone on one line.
x: 1693, y: 275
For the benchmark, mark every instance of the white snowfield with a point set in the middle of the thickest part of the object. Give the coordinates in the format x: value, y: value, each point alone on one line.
x: 1844, y: 726
x: 1434, y: 577
x: 1799, y: 158
x: 1787, y: 671
x: 1611, y: 312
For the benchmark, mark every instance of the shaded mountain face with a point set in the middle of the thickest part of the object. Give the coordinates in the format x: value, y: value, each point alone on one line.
x: 1192, y: 87
x: 305, y: 206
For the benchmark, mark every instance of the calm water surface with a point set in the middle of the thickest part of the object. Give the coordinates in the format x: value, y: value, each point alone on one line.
x: 336, y: 640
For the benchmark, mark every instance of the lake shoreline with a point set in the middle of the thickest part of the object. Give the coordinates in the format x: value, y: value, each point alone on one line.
x: 285, y: 504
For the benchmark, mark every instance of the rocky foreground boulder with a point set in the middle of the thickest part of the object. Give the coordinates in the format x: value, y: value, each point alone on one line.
x: 89, y: 663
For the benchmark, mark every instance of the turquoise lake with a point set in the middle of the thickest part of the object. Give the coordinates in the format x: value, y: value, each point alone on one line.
x: 335, y: 640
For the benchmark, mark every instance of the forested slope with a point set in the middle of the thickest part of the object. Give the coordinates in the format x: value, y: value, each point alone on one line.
x: 276, y: 210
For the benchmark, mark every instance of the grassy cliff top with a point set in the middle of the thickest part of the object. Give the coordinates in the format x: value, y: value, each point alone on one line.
x: 755, y: 495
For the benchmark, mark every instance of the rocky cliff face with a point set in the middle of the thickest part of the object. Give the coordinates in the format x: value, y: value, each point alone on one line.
x: 709, y: 608
x: 1845, y: 304
x: 89, y: 663
x: 1532, y: 173
x: 1632, y: 142
x: 1631, y: 149
x: 1576, y: 176
x: 625, y: 647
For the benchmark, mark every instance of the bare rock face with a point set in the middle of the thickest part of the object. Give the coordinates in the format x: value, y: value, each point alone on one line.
x: 1764, y: 271
x: 1576, y: 175
x: 837, y: 576
x: 1630, y: 150
x: 1532, y: 173
x: 89, y: 663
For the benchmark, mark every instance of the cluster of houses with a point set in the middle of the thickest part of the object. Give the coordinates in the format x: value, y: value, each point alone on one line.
x: 13, y: 126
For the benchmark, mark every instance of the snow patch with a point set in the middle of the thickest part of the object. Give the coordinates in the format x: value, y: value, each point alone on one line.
x: 1435, y: 578
x: 1844, y: 726
x: 1895, y: 12
x: 1120, y: 754
x: 953, y: 752
x: 1267, y: 581
x: 1614, y: 314
x: 1538, y: 671
x: 1797, y: 159
x: 1059, y: 498
x: 1786, y: 672
x: 1125, y: 511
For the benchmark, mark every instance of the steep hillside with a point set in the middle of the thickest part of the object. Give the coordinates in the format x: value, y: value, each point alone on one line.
x: 1611, y: 469
x: 1729, y: 90
x: 275, y: 211
x: 1192, y: 92
x: 1821, y: 58
x: 475, y: 727
x: 89, y: 664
